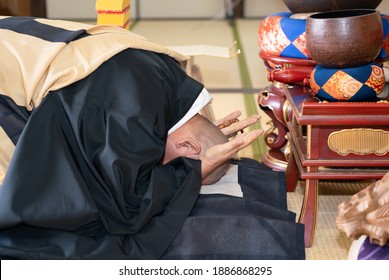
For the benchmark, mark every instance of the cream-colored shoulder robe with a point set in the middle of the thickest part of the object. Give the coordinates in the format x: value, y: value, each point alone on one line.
x: 31, y: 67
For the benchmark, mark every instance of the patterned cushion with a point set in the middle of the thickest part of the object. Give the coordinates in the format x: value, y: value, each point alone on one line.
x: 281, y: 35
x: 385, y: 46
x: 351, y: 84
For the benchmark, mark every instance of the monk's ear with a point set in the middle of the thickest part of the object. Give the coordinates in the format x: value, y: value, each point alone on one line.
x: 189, y: 147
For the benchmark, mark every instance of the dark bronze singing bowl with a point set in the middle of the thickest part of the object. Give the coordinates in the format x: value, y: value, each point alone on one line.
x: 346, y: 38
x: 312, y: 6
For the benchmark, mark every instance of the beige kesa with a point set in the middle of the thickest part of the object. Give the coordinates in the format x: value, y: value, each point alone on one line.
x: 31, y: 67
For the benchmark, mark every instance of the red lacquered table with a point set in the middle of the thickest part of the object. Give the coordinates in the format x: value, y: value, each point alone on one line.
x: 281, y: 70
x: 332, y: 141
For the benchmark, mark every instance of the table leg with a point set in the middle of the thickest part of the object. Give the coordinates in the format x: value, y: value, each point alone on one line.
x: 272, y: 104
x: 271, y: 101
x: 309, y: 210
x: 292, y: 174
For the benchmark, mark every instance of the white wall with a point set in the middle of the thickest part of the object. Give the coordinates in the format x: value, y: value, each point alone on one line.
x: 72, y: 9
x: 85, y: 9
x: 76, y: 9
x: 384, y: 7
x: 262, y: 8
x: 181, y: 8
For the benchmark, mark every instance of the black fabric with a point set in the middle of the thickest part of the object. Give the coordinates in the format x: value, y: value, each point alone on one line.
x: 218, y: 227
x: 257, y: 226
x: 13, y: 118
x: 216, y: 204
x: 237, y: 238
x: 262, y: 183
x: 29, y: 26
x: 86, y: 167
x: 85, y: 180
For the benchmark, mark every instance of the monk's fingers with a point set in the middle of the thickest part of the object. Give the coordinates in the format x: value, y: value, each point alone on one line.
x: 247, y: 138
x: 218, y: 154
x: 231, y: 148
x: 229, y: 118
x: 234, y: 128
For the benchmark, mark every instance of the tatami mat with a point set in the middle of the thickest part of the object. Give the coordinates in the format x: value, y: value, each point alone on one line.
x: 248, y: 31
x: 216, y: 72
x: 329, y: 243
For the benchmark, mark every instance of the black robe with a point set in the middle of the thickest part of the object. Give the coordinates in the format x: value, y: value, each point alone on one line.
x: 85, y: 180
x: 255, y: 226
x: 86, y: 166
